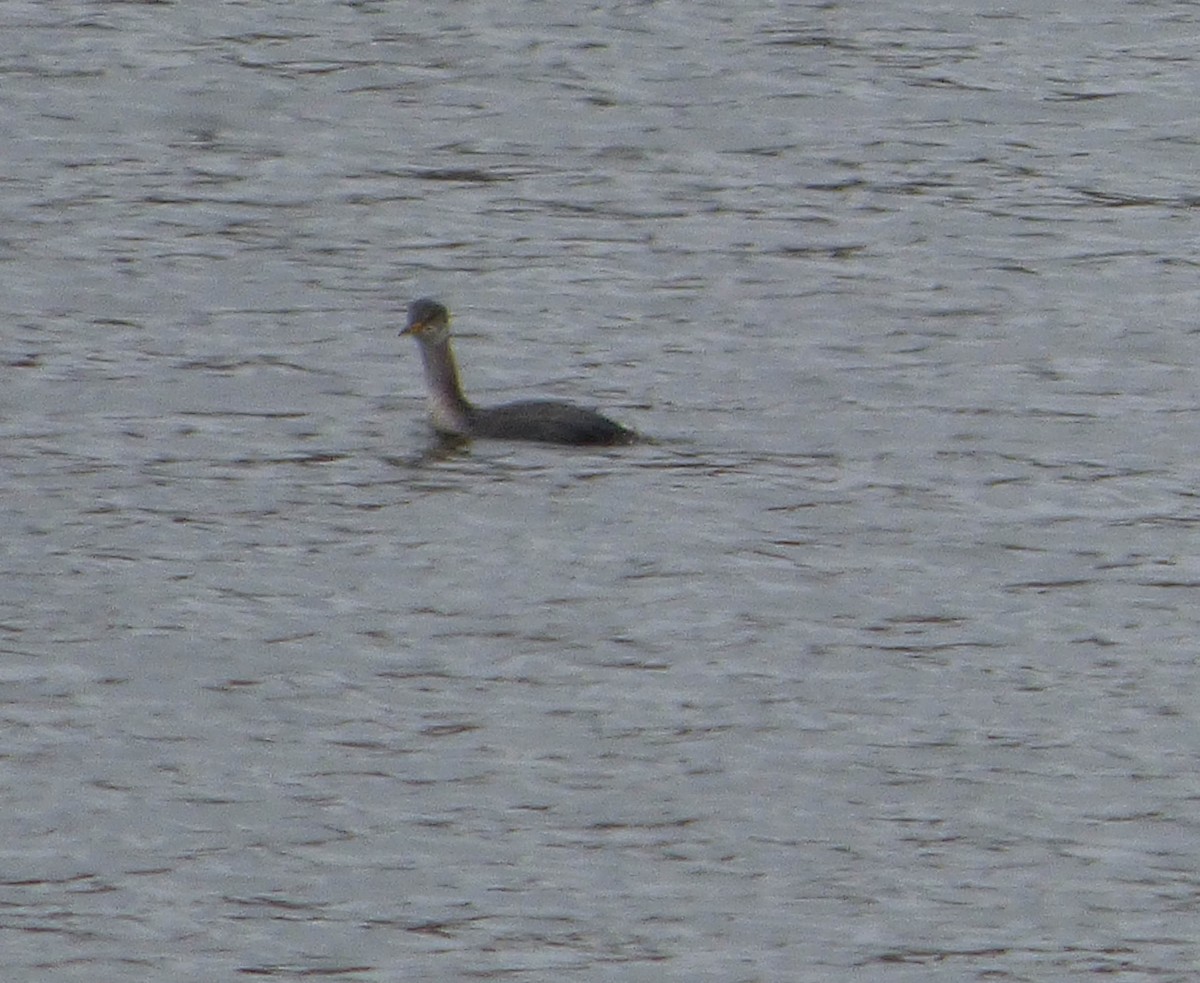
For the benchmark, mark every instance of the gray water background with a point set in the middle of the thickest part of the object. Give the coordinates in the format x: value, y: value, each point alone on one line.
x: 878, y: 663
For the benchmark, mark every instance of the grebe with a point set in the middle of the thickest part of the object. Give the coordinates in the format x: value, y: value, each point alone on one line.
x: 549, y: 421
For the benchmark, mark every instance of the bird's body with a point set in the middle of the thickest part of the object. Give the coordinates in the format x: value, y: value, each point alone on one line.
x: 453, y: 415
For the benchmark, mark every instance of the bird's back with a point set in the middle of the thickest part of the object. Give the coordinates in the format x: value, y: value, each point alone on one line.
x: 548, y: 421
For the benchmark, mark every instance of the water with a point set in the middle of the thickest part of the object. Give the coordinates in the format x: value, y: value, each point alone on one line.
x: 878, y: 663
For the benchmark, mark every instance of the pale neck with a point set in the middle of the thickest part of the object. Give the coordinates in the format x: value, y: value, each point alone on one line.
x: 448, y: 406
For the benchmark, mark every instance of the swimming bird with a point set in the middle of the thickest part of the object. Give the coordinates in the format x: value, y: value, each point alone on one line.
x: 453, y: 415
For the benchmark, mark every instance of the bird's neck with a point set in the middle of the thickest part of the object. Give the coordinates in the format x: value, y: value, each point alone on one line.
x: 448, y: 407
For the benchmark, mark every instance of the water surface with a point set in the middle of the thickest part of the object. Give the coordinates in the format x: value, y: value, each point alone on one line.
x: 876, y: 662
